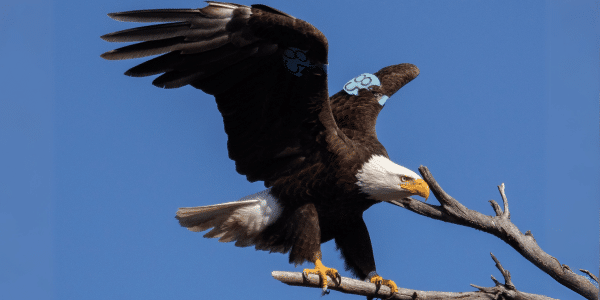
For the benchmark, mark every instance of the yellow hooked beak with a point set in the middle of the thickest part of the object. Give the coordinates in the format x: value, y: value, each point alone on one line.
x: 417, y: 187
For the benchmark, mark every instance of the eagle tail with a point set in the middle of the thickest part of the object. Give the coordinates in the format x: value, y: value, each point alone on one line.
x: 201, y: 218
x: 241, y: 221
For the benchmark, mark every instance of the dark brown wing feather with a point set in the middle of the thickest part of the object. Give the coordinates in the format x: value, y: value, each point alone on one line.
x: 356, y: 116
x: 278, y: 120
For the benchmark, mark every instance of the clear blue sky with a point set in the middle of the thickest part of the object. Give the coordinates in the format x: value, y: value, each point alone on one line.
x: 94, y: 164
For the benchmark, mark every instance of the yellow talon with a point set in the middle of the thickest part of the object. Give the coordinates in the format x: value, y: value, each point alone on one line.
x: 379, y: 281
x: 323, y: 272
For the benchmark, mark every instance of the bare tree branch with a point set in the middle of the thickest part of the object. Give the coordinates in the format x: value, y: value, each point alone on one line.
x: 590, y: 274
x: 500, y: 225
x: 505, y: 273
x: 505, y: 291
x: 506, y: 212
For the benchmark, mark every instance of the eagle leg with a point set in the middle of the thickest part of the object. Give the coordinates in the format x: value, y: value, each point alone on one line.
x: 389, y: 283
x: 323, y: 272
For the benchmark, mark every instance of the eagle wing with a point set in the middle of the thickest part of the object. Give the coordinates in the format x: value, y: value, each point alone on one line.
x: 356, y: 107
x: 266, y: 69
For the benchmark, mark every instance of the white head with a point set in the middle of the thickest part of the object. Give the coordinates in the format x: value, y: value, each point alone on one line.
x: 384, y: 180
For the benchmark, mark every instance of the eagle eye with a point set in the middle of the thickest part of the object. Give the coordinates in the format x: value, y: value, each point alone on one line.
x: 405, y: 178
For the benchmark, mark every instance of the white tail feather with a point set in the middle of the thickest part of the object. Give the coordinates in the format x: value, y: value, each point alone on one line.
x: 203, y: 217
x: 239, y: 221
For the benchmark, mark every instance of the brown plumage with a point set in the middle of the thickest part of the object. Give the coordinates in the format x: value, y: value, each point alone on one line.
x: 267, y: 71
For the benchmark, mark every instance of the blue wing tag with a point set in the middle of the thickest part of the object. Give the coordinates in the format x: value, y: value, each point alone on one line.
x: 296, y: 61
x: 383, y: 99
x: 363, y: 81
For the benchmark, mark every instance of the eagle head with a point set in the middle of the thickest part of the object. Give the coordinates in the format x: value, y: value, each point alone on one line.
x: 383, y: 180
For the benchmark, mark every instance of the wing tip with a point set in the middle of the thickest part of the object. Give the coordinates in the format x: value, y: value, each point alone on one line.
x: 108, y: 55
x: 131, y: 74
x: 107, y: 37
x: 404, y: 68
x: 118, y: 16
x: 394, y: 77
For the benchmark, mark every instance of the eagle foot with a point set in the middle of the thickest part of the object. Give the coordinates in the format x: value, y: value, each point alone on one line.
x: 323, y: 272
x: 380, y: 281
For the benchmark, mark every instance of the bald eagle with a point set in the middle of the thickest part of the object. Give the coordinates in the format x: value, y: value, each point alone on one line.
x: 318, y: 156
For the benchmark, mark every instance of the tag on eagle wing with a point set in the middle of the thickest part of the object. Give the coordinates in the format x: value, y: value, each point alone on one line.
x: 363, y: 81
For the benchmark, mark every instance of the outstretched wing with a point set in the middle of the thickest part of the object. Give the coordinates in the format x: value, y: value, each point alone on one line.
x: 266, y: 69
x: 356, y: 107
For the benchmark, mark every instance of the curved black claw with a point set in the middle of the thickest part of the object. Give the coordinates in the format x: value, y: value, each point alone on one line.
x: 326, y: 291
